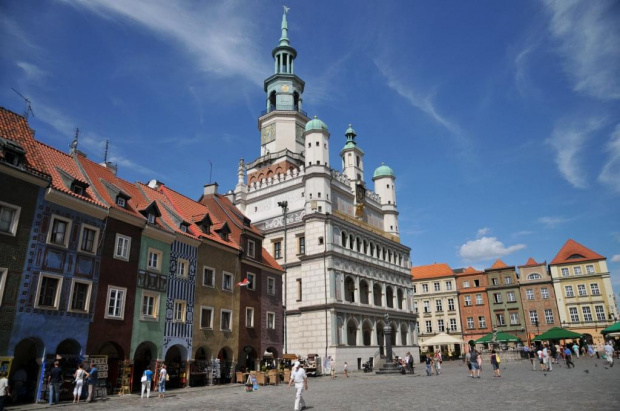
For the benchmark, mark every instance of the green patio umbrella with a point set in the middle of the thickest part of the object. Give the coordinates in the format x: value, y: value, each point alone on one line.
x: 501, y: 337
x: 557, y: 333
x: 614, y: 328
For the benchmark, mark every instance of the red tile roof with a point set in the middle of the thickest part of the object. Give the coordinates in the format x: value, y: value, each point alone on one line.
x: 431, y: 271
x: 530, y: 262
x: 498, y: 264
x: 572, y: 252
x: 469, y: 271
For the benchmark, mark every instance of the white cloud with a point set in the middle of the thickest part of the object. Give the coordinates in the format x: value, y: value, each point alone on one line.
x: 615, y: 258
x: 521, y: 69
x: 486, y: 248
x: 588, y: 35
x: 221, y: 36
x: 32, y: 71
x: 568, y: 139
x: 483, y: 231
x: 523, y: 232
x: 610, y: 174
x: 552, y: 222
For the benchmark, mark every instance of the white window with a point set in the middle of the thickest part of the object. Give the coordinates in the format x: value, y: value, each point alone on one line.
x: 569, y: 290
x: 467, y: 299
x: 544, y: 293
x: 581, y: 290
x: 497, y: 297
x: 154, y: 259
x: 251, y: 248
x: 277, y: 250
x: 478, y: 299
x: 206, y: 318
x: 122, y: 247
x: 440, y: 327
x: 116, y: 303
x: 429, y: 326
x: 208, y: 277
x: 500, y: 319
x: 549, y: 316
x: 4, y: 273
x: 494, y: 281
x: 482, y: 322
x: 180, y: 308
x: 151, y: 218
x: 577, y: 270
x: 79, y: 299
x: 271, y: 320
x: 438, y: 305
x: 120, y: 201
x: 589, y: 269
x: 227, y: 280
x: 150, y: 305
x: 565, y: 272
x: 594, y: 289
x: 424, y: 288
x: 183, y: 268
x: 470, y: 322
x: 252, y: 281
x: 59, y: 232
x: 534, y: 317
x: 449, y: 285
x: 436, y: 286
x: 465, y: 284
x: 48, y: 292
x: 450, y: 304
x: 249, y: 317
x: 452, y: 324
x: 529, y: 294
x: 89, y: 238
x: 225, y: 320
x: 574, y: 314
x: 301, y: 242
x: 427, y: 306
x: 534, y: 276
x: 514, y: 318
x: 9, y: 218
x: 587, y: 313
x: 600, y: 312
x: 271, y: 286
x: 508, y: 280
x: 510, y: 296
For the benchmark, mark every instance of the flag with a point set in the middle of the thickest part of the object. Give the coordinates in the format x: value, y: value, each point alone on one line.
x: 244, y: 283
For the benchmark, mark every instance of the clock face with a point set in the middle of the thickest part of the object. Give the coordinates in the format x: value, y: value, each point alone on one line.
x: 268, y: 134
x: 285, y: 88
x: 299, y: 134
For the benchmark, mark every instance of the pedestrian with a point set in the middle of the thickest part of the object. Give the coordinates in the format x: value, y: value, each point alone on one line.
x: 146, y: 380
x: 468, y: 362
x: 547, y: 358
x: 20, y: 377
x: 495, y: 361
x: 568, y: 356
x: 532, y: 354
x: 54, y: 381
x: 609, y: 354
x: 79, y: 376
x: 5, y: 393
x: 92, y: 381
x: 332, y: 367
x: 475, y: 366
x: 557, y: 353
x: 552, y: 358
x: 346, y: 369
x: 437, y: 361
x: 576, y: 349
x: 407, y: 360
x: 429, y: 365
x: 163, y: 375
x: 479, y: 361
x: 541, y: 360
x: 299, y: 377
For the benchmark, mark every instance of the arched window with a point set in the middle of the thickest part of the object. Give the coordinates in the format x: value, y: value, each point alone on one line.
x: 351, y: 242
x: 349, y: 290
x: 343, y: 241
x: 364, y: 290
x: 351, y: 332
x: 389, y: 296
x: 534, y: 276
x: 376, y: 291
x: 359, y: 244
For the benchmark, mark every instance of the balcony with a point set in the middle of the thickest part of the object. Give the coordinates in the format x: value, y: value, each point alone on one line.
x: 284, y: 108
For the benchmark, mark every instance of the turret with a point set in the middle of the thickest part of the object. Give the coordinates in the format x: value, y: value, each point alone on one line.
x: 384, y: 186
x: 317, y: 180
x: 352, y: 158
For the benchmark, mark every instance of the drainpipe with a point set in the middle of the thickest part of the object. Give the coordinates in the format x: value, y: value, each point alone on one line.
x: 284, y: 206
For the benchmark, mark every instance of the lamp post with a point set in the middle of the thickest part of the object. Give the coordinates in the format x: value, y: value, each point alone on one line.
x: 284, y: 206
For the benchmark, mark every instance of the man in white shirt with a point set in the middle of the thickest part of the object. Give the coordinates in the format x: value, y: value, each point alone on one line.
x: 299, y: 377
x: 609, y: 354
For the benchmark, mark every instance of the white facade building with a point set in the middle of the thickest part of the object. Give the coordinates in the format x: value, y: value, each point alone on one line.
x: 337, y: 240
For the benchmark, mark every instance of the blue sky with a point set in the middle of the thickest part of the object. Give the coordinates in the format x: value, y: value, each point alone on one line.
x: 500, y: 119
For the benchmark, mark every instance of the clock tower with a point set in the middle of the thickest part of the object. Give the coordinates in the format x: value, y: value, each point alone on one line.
x: 283, y: 122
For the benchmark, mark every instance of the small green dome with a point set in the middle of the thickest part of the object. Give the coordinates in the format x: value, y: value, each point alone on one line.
x: 350, y: 131
x: 316, y: 124
x: 383, y: 171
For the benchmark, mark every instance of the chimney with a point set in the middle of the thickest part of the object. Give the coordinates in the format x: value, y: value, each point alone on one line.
x: 210, y: 189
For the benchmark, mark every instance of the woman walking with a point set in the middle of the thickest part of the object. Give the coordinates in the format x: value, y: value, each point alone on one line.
x: 163, y: 375
x: 495, y: 360
x: 147, y: 379
x: 80, y: 376
x: 437, y: 362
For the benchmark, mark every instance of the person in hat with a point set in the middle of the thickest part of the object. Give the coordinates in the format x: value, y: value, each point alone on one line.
x: 299, y: 377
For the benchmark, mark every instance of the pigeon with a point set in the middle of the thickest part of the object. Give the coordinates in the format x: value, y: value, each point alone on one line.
x: 606, y: 368
x: 545, y: 374
x: 586, y: 371
x: 596, y: 365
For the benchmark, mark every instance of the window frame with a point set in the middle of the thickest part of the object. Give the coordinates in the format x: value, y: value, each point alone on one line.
x: 497, y: 298
x: 299, y: 289
x: 482, y: 321
x: 470, y: 324
x: 599, y: 317
x: 451, y: 306
x: 230, y: 319
x: 479, y: 299
x: 568, y: 291
x: 204, y: 268
x: 441, y: 326
x: 429, y: 326
x: 277, y: 249
x: 160, y: 256
x: 95, y: 239
x: 510, y: 297
x: 107, y: 314
x: 581, y: 290
x: 56, y: 304
x: 271, y: 320
x: 252, y: 281
x: 14, y: 219
x: 270, y: 281
x: 501, y: 319
x: 248, y: 311
x: 448, y: 285
x: 577, y: 270
x: 182, y: 304
x: 590, y: 269
x: 156, y: 298
x: 4, y: 273
x: 67, y: 233
x: 438, y: 305
x: 467, y: 300
x: 594, y: 289
x: 587, y: 312
x: 424, y: 288
x: 251, y: 248
x: 183, y: 267
x: 118, y: 239
x: 436, y: 286
x: 529, y: 294
x: 544, y: 293
x: 202, y: 310
x: 453, y: 324
x: 89, y: 284
x: 226, y: 275
x: 514, y: 318
x: 534, y: 317
x: 573, y: 313
x: 301, y: 245
x: 549, y: 318
x: 564, y: 271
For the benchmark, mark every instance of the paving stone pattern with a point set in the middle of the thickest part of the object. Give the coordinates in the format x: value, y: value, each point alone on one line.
x: 591, y: 385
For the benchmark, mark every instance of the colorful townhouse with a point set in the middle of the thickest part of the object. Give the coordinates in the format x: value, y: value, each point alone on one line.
x: 476, y: 321
x: 22, y: 180
x: 586, y: 303
x: 436, y: 302
x: 537, y: 298
x: 504, y: 299
x: 60, y: 278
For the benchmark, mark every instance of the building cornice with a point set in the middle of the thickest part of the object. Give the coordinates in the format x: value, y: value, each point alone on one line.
x: 75, y: 204
x: 159, y: 234
x: 127, y: 218
x: 40, y: 180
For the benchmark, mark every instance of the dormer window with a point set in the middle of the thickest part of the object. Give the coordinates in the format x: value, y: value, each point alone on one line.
x: 205, y: 224
x: 184, y: 227
x: 151, y: 218
x: 78, y: 187
x: 121, y: 202
x: 13, y: 152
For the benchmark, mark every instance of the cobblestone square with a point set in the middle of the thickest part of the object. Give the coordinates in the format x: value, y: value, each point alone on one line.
x: 591, y: 385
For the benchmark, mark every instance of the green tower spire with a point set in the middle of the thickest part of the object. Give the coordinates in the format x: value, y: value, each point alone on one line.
x: 284, y: 39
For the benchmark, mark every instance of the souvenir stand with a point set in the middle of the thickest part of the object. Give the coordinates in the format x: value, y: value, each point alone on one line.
x: 199, y: 373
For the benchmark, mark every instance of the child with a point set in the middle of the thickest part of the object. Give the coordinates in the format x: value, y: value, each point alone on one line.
x: 495, y: 361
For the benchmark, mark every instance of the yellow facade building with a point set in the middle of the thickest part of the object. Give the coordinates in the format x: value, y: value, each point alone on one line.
x: 586, y: 303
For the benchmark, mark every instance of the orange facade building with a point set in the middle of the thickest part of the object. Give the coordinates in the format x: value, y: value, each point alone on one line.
x: 474, y: 304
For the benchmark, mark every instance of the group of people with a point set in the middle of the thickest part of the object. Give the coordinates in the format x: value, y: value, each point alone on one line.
x: 433, y: 362
x: 80, y: 377
x: 550, y: 354
x: 147, y: 381
x: 474, y: 360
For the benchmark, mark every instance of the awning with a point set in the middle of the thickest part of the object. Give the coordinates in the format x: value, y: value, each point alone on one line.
x: 501, y: 337
x: 557, y: 333
x: 442, y: 339
x: 614, y: 328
